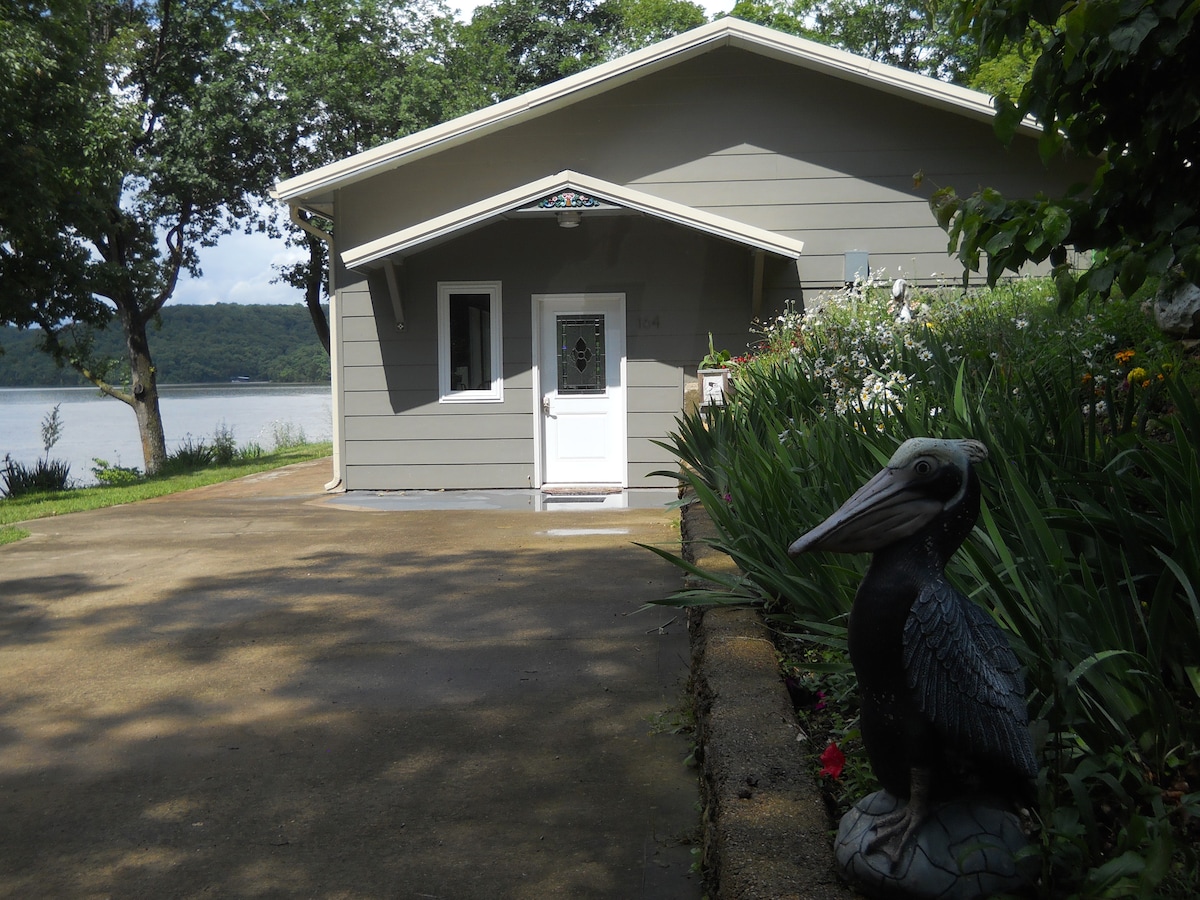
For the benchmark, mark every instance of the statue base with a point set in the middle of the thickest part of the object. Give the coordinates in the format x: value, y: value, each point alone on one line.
x: 965, y: 850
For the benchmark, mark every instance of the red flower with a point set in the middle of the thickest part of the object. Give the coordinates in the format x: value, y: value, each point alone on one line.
x: 833, y: 761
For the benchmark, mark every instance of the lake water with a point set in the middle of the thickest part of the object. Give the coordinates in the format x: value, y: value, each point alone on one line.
x: 94, y: 426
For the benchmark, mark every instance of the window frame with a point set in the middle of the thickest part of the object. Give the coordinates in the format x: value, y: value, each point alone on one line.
x: 495, y: 393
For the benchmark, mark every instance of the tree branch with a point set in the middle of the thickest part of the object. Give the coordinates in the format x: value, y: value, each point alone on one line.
x: 62, y: 355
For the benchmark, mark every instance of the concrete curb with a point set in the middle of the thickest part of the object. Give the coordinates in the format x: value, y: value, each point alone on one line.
x: 766, y: 830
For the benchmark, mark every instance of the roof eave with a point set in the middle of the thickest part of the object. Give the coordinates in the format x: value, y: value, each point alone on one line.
x: 467, y: 127
x: 440, y: 227
x: 318, y: 184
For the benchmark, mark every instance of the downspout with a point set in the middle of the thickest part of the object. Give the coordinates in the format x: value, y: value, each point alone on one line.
x: 335, y: 374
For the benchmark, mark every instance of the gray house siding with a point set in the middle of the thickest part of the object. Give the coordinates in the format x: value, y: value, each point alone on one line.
x: 677, y: 284
x: 733, y: 133
x: 765, y: 142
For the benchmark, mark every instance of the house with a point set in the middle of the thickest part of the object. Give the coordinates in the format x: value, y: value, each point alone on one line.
x: 521, y: 295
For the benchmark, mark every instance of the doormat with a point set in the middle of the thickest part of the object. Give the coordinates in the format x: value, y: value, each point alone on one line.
x: 581, y: 490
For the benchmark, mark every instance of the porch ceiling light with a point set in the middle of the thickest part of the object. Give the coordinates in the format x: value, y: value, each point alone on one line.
x: 568, y: 218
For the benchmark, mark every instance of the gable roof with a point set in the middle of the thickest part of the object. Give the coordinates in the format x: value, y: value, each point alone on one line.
x: 315, y: 189
x: 458, y: 220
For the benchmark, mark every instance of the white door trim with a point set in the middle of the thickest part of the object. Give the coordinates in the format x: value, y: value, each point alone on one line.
x: 579, y: 300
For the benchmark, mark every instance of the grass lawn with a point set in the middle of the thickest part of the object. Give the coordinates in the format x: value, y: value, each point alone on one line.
x: 57, y: 503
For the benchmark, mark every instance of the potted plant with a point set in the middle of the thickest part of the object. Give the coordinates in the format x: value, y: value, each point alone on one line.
x: 714, y: 375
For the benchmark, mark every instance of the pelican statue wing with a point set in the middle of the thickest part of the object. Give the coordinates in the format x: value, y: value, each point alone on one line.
x: 965, y: 678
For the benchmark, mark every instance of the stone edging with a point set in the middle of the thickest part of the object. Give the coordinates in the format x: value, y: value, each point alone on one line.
x: 766, y: 830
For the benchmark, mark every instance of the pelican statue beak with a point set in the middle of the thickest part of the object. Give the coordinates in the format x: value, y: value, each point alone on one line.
x: 897, y: 502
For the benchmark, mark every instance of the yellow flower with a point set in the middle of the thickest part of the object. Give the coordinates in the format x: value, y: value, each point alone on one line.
x: 1124, y: 356
x: 1138, y: 374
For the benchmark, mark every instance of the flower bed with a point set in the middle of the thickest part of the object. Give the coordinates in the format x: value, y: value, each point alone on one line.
x: 1085, y: 550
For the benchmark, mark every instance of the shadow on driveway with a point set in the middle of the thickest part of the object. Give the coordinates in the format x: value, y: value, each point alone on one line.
x: 242, y: 691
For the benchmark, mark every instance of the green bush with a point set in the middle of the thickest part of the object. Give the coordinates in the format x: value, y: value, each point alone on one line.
x: 108, y: 474
x: 189, y: 456
x: 251, y: 451
x: 1085, y: 549
x: 224, y: 447
x: 44, y: 475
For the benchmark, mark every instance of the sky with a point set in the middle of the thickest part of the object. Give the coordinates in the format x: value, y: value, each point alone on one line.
x: 239, y: 269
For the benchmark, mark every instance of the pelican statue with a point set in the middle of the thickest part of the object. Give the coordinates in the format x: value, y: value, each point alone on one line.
x: 941, y: 695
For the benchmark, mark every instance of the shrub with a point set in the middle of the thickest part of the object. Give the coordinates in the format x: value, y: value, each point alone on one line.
x: 187, y: 457
x: 224, y: 448
x: 114, y: 475
x: 251, y: 451
x: 285, y: 435
x: 44, y: 475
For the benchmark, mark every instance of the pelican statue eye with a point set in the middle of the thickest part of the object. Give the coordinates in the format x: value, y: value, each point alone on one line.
x: 923, y: 467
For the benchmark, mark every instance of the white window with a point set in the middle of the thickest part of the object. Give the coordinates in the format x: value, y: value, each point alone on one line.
x: 469, y: 341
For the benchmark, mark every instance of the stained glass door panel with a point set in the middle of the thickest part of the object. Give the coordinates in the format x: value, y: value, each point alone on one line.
x: 581, y: 358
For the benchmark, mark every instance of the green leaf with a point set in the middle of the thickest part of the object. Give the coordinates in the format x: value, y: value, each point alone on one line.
x: 1002, y: 239
x: 1064, y: 285
x: 945, y: 205
x: 1193, y: 676
x: 1049, y: 145
x: 1008, y: 117
x: 992, y: 204
x: 1100, y: 279
x: 1127, y: 38
x: 1056, y: 225
x: 1128, y: 865
x: 1132, y: 274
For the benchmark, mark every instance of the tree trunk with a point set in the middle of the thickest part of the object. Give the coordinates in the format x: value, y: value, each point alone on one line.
x: 313, y: 282
x: 144, y: 391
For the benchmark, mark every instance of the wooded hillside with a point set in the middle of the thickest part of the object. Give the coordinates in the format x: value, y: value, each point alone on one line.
x: 193, y: 344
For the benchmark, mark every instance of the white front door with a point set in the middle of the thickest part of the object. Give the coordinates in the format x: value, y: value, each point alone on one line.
x: 581, y: 364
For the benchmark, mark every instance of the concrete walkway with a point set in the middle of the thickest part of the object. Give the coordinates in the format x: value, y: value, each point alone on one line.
x: 249, y: 691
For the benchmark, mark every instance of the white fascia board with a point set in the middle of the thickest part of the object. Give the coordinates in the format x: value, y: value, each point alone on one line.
x: 851, y: 67
x: 724, y: 32
x: 442, y: 226
x: 528, y: 105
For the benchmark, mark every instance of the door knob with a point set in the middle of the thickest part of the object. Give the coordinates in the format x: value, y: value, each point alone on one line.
x: 546, y: 406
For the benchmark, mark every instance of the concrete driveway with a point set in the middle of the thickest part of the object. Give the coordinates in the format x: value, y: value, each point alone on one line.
x: 247, y: 691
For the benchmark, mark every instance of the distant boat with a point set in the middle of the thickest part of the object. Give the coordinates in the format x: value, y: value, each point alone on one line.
x: 240, y: 379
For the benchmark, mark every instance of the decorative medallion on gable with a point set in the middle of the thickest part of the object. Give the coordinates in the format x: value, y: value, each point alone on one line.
x: 567, y: 199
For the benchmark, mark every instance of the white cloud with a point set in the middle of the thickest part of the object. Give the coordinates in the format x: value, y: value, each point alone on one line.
x: 240, y: 269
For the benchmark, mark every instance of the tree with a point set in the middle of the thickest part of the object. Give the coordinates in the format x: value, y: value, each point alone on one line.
x: 336, y: 78
x: 519, y: 45
x: 640, y: 23
x: 139, y: 157
x: 56, y: 113
x: 333, y: 78
x: 914, y: 35
x: 1114, y: 81
x: 541, y: 41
